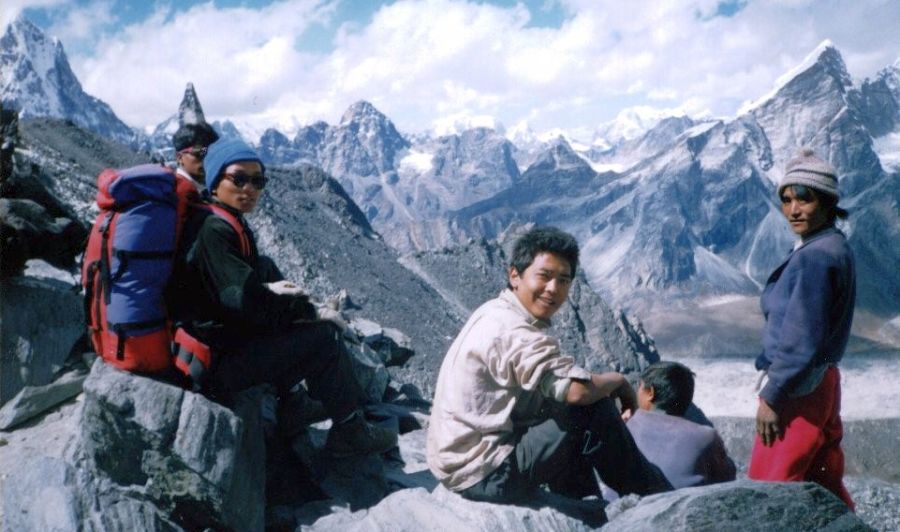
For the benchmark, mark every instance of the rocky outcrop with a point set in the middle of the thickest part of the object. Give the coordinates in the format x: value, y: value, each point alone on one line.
x: 742, y: 505
x: 417, y: 510
x: 159, y: 143
x: 196, y: 461
x: 42, y: 322
x: 35, y: 400
x: 28, y: 231
x: 321, y: 240
x: 34, y: 223
x: 9, y: 137
x: 145, y: 456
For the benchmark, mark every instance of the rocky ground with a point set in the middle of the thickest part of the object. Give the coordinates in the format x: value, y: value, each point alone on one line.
x: 397, y: 492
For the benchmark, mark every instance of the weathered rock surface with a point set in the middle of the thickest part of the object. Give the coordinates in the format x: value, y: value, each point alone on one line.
x: 144, y: 455
x: 416, y: 510
x: 364, y: 494
x: 41, y: 321
x: 742, y: 505
x: 28, y: 231
x: 33, y: 400
x: 33, y: 222
x: 193, y: 459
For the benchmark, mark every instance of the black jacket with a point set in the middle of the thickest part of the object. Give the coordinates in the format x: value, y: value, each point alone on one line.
x: 218, y: 294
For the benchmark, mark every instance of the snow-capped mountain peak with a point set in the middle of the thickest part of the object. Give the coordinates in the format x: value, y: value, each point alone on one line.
x: 825, y: 55
x: 630, y: 124
x: 28, y: 62
x: 361, y: 111
x: 36, y: 79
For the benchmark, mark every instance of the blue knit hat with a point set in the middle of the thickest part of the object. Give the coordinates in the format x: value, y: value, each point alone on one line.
x: 222, y: 153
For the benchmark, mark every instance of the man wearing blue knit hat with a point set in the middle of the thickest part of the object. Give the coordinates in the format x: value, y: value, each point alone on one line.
x: 260, y: 328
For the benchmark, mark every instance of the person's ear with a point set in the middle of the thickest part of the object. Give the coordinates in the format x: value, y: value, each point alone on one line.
x: 651, y: 393
x: 514, y: 278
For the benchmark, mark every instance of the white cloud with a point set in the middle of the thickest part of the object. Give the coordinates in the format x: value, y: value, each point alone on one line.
x: 12, y: 8
x: 459, y: 122
x: 240, y: 60
x: 422, y: 60
x: 84, y: 22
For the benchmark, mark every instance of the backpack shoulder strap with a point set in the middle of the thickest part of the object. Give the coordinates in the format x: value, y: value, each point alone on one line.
x: 232, y: 220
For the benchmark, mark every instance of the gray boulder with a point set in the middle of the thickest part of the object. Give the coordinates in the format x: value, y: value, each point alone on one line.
x: 30, y: 231
x: 742, y: 505
x: 136, y: 454
x: 393, y: 347
x: 34, y: 400
x: 191, y: 459
x: 417, y: 510
x: 41, y: 321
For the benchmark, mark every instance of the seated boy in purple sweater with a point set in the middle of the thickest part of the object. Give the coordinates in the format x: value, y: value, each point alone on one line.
x: 688, y: 453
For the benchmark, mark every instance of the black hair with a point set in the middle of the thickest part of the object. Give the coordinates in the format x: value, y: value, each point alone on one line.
x: 829, y: 202
x: 673, y: 386
x: 188, y: 135
x: 546, y: 239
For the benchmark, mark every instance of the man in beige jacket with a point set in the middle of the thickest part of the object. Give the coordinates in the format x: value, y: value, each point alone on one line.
x: 512, y: 413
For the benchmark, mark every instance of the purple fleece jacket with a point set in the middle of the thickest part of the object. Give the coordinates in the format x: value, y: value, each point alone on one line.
x: 808, y: 305
x: 689, y: 454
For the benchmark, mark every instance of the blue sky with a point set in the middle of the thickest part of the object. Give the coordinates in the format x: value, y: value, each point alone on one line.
x: 444, y: 64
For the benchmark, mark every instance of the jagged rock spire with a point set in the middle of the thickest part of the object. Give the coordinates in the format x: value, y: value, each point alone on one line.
x: 190, y: 111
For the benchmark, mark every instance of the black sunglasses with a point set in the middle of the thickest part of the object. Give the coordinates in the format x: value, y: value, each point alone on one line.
x: 197, y: 151
x: 240, y: 179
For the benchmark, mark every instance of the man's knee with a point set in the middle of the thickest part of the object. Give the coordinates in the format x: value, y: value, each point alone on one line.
x: 591, y: 417
x: 322, y: 334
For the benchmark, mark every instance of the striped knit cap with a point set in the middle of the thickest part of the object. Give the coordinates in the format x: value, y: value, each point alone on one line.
x: 808, y: 170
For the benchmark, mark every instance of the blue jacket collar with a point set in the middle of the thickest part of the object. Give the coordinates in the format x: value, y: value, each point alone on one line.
x: 821, y: 233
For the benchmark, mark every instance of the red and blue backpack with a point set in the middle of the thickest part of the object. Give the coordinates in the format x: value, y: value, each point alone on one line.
x: 127, y: 265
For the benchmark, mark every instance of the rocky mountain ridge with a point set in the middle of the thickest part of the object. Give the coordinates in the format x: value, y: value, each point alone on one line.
x: 317, y: 235
x: 685, y: 211
x: 58, y: 472
x: 697, y: 216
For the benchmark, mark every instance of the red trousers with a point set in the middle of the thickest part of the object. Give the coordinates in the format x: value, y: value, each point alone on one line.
x: 810, y: 449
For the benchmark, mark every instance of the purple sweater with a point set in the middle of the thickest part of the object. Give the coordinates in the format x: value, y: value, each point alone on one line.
x: 688, y: 454
x: 808, y: 305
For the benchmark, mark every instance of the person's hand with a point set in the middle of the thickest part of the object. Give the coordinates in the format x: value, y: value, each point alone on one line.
x: 627, y: 398
x: 620, y: 389
x: 326, y: 313
x: 284, y: 288
x: 768, y: 425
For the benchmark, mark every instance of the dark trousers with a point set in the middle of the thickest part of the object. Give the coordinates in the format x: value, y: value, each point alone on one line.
x: 565, y: 451
x: 314, y: 352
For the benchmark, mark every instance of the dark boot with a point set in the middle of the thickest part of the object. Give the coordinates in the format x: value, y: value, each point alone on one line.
x: 356, y: 436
